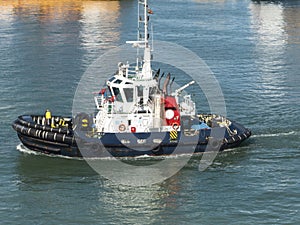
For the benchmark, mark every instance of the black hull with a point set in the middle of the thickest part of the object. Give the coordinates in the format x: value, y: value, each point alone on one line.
x: 62, y: 141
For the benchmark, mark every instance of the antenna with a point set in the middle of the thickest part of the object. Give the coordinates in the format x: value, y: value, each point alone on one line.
x: 143, y: 41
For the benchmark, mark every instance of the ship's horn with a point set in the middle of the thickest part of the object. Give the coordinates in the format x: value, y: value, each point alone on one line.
x: 157, y: 74
x: 160, y: 80
x: 171, y: 84
x: 167, y: 80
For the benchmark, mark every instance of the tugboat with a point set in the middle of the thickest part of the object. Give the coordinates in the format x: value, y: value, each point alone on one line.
x: 134, y: 116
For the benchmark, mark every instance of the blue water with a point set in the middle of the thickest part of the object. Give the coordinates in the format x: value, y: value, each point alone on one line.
x: 253, y: 49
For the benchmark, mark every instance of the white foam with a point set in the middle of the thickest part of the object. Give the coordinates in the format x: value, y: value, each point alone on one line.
x: 142, y: 157
x: 275, y: 134
x: 25, y: 150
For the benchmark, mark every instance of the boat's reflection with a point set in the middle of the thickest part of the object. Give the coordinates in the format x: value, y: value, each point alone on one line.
x: 55, y: 181
x: 138, y: 205
x: 55, y: 184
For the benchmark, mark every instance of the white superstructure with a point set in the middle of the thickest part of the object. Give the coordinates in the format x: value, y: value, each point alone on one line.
x: 133, y: 100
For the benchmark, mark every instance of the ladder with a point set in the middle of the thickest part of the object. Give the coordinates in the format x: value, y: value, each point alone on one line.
x: 107, y: 109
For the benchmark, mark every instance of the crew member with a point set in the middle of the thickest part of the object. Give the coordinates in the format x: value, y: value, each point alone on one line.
x: 48, y: 117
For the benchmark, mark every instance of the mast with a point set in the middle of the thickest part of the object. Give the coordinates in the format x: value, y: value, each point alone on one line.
x: 147, y: 71
x: 143, y: 40
x: 146, y: 23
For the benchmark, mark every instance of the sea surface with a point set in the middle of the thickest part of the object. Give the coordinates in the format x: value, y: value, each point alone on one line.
x: 253, y: 50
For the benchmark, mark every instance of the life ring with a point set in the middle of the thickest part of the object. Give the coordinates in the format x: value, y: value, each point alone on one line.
x: 122, y: 127
x: 175, y: 126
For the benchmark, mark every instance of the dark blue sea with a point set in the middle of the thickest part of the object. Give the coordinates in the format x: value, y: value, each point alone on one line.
x: 253, y: 50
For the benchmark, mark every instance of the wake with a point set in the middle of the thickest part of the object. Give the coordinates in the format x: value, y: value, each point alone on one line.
x: 276, y: 134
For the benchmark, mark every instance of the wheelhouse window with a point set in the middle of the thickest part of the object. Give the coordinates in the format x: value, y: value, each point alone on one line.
x: 140, y: 91
x: 111, y: 79
x: 118, y: 81
x: 128, y: 94
x: 117, y: 94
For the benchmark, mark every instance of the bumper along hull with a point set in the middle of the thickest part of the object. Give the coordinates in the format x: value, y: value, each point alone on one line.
x: 36, y: 136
